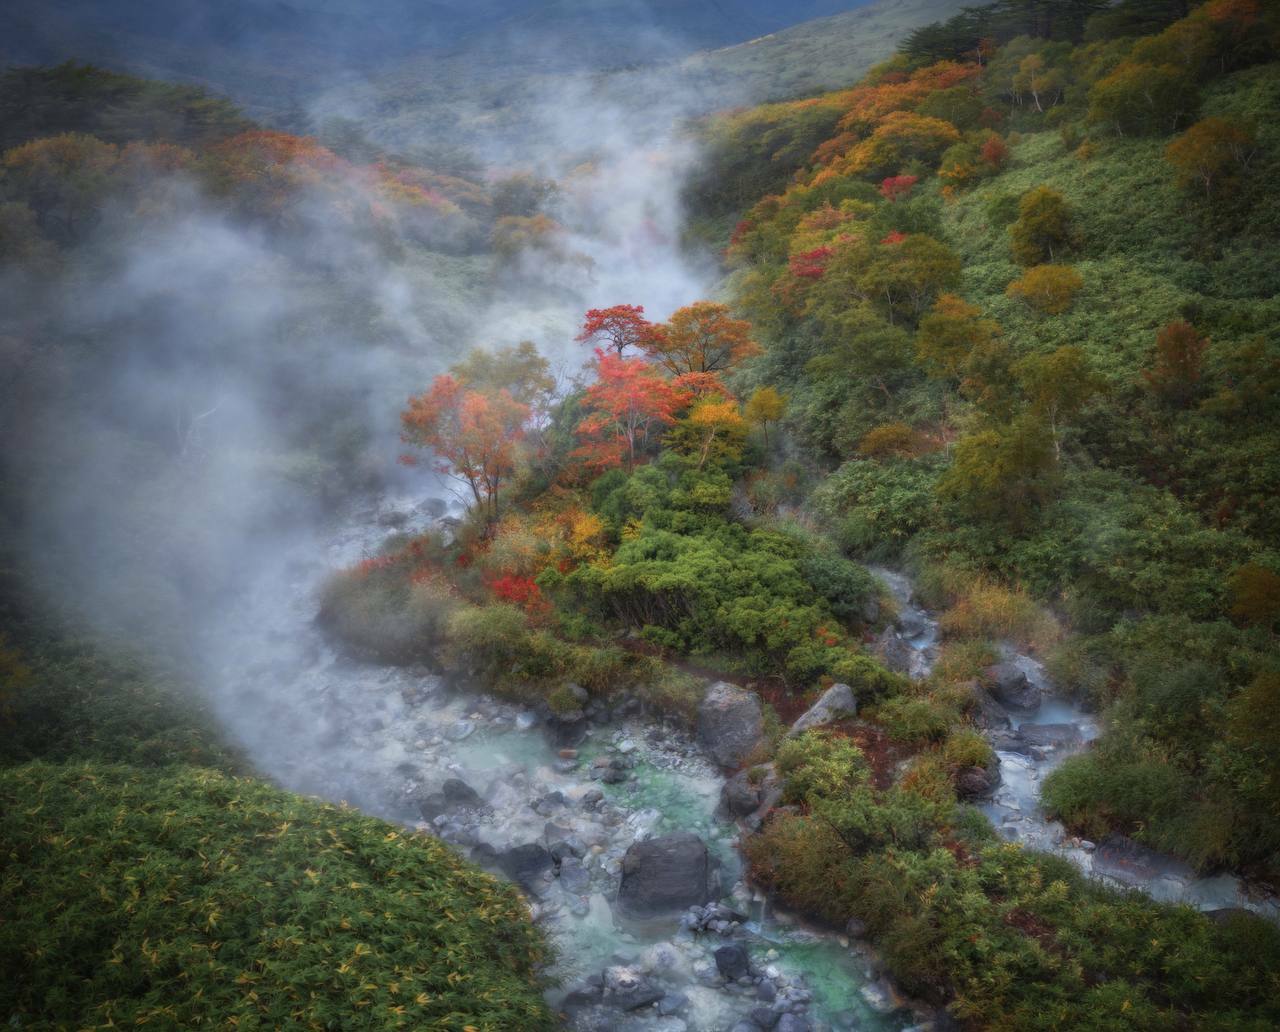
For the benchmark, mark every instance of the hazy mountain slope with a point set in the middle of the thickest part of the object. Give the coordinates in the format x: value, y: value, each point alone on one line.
x: 477, y: 98
x: 263, y: 51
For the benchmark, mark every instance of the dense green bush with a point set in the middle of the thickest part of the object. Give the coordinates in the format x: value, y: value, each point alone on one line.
x: 189, y: 898
x: 1006, y: 938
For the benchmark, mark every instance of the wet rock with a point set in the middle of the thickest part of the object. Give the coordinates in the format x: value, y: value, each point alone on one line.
x: 613, y: 776
x: 790, y: 1022
x: 525, y: 864
x: 764, y: 1017
x: 553, y: 832
x: 1052, y: 736
x: 739, y: 796
x: 911, y: 622
x: 672, y: 1003
x: 837, y: 701
x: 591, y: 799
x: 766, y: 991
x: 573, y: 876
x: 1010, y: 687
x: 733, y: 962
x: 581, y: 997
x: 1127, y: 861
x: 855, y: 928
x: 545, y: 805
x: 459, y: 730
x: 986, y: 711
x: 567, y: 730
x: 663, y: 876
x: 730, y: 723
x: 626, y: 989
x: 484, y: 855
x: 894, y: 651
x: 459, y: 795
x: 1231, y: 915
x: 976, y: 782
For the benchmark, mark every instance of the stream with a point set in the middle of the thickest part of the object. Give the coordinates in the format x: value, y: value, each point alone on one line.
x: 558, y: 818
x: 1037, y: 739
x: 484, y: 775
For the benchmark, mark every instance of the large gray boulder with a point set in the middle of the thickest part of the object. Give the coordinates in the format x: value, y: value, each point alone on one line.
x: 1010, y: 687
x: 730, y: 723
x: 664, y: 876
x: 836, y: 703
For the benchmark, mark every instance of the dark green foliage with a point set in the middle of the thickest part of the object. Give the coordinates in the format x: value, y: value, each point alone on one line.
x: 1069, y: 460
x: 691, y: 579
x: 188, y: 898
x: 1009, y: 938
x: 73, y: 98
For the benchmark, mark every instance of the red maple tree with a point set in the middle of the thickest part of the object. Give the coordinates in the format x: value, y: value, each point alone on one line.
x: 626, y: 405
x: 619, y: 328
x: 474, y: 435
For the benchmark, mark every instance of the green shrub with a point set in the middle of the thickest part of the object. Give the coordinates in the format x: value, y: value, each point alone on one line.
x: 966, y: 747
x: 383, y: 614
x: 188, y: 898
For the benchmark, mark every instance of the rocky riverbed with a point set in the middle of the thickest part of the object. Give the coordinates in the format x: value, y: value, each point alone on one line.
x: 614, y: 828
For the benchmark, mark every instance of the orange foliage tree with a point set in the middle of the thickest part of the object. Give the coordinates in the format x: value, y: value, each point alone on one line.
x: 1175, y: 373
x: 701, y: 338
x: 627, y: 406
x: 473, y: 434
x: 619, y: 327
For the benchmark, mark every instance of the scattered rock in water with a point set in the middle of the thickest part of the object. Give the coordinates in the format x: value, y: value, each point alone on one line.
x: 730, y: 723
x: 573, y: 876
x: 893, y: 651
x: 738, y: 796
x: 663, y: 876
x: 672, y: 1003
x: 1129, y: 862
x: 567, y: 730
x: 526, y: 864
x: 1009, y: 686
x: 911, y: 622
x: 459, y: 730
x: 987, y: 712
x: 733, y: 962
x: 837, y: 701
x: 458, y: 794
x: 526, y: 721
x: 1051, y: 736
x: 455, y: 795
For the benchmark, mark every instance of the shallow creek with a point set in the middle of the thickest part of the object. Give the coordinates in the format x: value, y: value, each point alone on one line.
x: 484, y: 775
x: 1036, y: 742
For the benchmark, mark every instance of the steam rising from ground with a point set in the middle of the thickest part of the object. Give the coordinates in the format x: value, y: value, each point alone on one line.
x: 222, y: 390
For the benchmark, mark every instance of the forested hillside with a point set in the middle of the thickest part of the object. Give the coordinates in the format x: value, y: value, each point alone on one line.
x: 1024, y: 296
x: 998, y: 321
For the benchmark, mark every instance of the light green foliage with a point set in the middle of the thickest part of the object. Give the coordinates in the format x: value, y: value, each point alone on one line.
x: 189, y: 897
x: 1008, y: 938
x: 691, y: 579
x: 1043, y: 231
